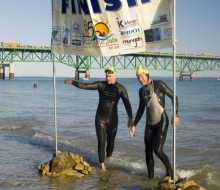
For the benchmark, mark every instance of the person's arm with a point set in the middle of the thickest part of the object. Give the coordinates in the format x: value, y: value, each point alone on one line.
x: 81, y: 85
x: 127, y: 104
x: 140, y: 110
x: 166, y: 90
x: 139, y: 114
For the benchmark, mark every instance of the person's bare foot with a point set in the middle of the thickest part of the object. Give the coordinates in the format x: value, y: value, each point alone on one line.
x: 102, y: 166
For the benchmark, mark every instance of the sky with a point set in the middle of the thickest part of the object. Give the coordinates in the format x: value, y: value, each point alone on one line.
x: 29, y: 22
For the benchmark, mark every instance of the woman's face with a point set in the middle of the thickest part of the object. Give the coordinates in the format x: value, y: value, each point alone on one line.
x: 142, y: 78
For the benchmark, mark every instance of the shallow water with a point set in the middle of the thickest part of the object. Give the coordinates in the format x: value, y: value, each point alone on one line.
x: 27, y: 135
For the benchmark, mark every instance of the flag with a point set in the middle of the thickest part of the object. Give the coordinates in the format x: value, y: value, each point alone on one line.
x: 111, y: 27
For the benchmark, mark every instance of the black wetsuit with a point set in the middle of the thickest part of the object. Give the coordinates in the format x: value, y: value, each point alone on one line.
x: 106, y: 120
x: 152, y: 96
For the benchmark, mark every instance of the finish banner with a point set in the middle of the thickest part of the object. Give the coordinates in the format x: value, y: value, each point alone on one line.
x: 111, y: 27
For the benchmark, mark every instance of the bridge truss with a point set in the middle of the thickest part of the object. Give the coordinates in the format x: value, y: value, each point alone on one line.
x: 185, y: 63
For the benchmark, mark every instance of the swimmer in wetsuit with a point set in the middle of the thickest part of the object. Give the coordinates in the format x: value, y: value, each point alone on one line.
x: 106, y: 119
x: 35, y: 85
x: 152, y: 96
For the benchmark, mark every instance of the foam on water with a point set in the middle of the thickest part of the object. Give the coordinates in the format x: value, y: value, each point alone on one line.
x: 5, y: 127
x: 76, y: 146
x: 137, y: 167
x: 213, y: 178
x: 186, y: 173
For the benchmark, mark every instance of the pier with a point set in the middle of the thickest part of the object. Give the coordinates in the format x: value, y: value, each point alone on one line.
x: 78, y: 71
x: 11, y: 70
x: 190, y: 75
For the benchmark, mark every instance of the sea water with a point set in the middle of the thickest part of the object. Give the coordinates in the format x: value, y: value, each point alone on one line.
x: 27, y: 135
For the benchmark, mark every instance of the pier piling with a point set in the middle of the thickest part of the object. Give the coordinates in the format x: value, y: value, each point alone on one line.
x: 2, y: 71
x: 87, y: 74
x: 191, y: 75
x: 11, y: 71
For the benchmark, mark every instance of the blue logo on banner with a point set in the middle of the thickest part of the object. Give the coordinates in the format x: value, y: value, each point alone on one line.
x: 152, y: 35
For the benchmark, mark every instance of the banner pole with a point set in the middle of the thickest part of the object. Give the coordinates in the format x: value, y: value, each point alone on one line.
x: 55, y: 103
x: 54, y: 90
x: 174, y: 90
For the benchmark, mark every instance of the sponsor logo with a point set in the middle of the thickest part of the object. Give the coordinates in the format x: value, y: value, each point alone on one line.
x: 66, y: 36
x: 75, y: 29
x: 130, y: 32
x: 56, y: 32
x: 98, y: 34
x: 101, y: 30
x: 161, y: 18
x: 76, y: 42
x: 167, y: 33
x: 133, y: 42
x: 152, y: 35
x: 127, y: 21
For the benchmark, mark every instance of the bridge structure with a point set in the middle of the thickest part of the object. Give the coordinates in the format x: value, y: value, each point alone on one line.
x: 186, y: 64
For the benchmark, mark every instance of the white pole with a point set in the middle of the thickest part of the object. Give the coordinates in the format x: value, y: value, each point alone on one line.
x: 54, y: 91
x: 55, y: 103
x: 174, y: 89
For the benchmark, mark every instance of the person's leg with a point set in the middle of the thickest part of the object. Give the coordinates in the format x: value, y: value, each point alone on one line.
x: 161, y: 133
x: 149, y: 144
x: 101, y: 135
x: 111, y: 134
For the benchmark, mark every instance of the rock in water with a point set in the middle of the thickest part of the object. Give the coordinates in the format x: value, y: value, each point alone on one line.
x: 61, y: 162
x: 65, y: 163
x: 180, y: 184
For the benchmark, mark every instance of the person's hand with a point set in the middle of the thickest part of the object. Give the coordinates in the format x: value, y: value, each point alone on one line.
x: 132, y: 131
x: 177, y: 121
x: 68, y: 81
x: 130, y: 122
